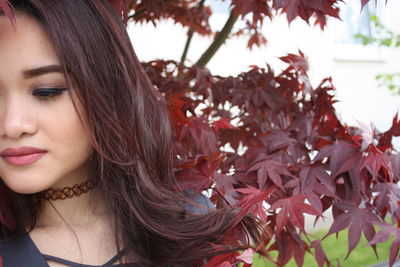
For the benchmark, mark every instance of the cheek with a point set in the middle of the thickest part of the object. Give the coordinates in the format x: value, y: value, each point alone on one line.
x: 68, y: 134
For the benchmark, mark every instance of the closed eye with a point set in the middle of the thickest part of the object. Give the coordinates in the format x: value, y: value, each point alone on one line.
x: 45, y: 94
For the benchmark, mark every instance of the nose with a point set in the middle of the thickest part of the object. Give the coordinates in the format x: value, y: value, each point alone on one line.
x: 15, y: 119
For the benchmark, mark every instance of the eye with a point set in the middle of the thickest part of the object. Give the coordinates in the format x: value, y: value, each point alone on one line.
x: 45, y: 94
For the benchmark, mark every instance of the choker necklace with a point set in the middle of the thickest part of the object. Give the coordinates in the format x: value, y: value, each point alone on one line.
x: 68, y: 192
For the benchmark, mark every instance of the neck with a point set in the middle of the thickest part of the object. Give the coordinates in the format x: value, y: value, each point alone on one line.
x: 76, y: 212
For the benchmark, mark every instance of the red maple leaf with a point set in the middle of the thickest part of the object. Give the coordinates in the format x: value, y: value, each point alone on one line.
x: 235, y: 137
x: 306, y: 8
x: 385, y: 141
x: 319, y: 253
x: 224, y: 184
x: 258, y: 8
x: 342, y: 155
x: 223, y: 123
x: 204, y: 136
x: 314, y: 182
x: 325, y: 119
x: 253, y: 201
x: 319, y: 173
x: 289, y: 244
x: 269, y: 169
x: 187, y: 13
x: 387, y: 198
x: 376, y: 160
x: 176, y: 105
x: 223, y: 260
x: 358, y: 220
x: 196, y: 18
x: 384, y: 235
x: 300, y: 63
x: 198, y: 174
x: 292, y: 210
x: 256, y: 39
x: 395, y: 160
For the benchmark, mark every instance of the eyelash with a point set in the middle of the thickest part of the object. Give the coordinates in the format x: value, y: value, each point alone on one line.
x: 46, y: 94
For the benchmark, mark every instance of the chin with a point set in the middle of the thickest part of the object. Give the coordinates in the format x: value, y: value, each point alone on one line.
x: 22, y: 186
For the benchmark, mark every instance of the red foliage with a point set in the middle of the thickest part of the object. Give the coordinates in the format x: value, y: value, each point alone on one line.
x: 292, y: 209
x: 288, y: 151
x: 185, y: 12
x: 306, y: 8
x: 280, y: 123
x: 196, y: 16
x: 271, y: 144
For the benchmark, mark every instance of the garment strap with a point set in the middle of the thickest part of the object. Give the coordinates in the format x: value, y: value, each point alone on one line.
x: 74, y: 264
x: 115, y: 258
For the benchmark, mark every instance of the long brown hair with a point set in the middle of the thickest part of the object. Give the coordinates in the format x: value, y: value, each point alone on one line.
x: 131, y: 135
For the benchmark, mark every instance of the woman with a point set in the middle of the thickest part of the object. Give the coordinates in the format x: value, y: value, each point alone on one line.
x: 85, y: 148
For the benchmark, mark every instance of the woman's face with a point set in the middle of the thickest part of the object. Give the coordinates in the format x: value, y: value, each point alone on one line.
x: 42, y: 140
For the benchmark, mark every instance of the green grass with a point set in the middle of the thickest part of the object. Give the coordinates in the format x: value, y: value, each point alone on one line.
x: 337, y: 248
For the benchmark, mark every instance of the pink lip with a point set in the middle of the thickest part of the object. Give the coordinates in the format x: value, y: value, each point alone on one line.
x: 22, y: 156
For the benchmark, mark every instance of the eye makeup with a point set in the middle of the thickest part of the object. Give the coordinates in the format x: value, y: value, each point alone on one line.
x: 47, y: 93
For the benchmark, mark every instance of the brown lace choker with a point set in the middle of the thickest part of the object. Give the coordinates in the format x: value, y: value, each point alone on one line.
x: 68, y: 192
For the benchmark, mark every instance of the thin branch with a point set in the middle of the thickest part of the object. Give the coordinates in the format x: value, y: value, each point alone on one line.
x: 186, y: 49
x: 136, y: 14
x: 218, y: 41
x: 189, y: 39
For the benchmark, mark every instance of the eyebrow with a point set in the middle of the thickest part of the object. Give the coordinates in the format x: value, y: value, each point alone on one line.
x: 31, y: 73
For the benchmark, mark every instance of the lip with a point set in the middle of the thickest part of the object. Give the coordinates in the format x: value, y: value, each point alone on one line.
x: 22, y: 155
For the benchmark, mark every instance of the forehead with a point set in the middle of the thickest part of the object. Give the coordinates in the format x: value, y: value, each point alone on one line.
x: 23, y: 47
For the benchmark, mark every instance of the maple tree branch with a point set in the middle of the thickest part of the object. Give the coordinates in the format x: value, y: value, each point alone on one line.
x: 189, y: 39
x: 218, y: 41
x: 186, y: 49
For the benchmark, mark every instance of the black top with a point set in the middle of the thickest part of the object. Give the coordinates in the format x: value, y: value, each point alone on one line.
x: 22, y: 251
